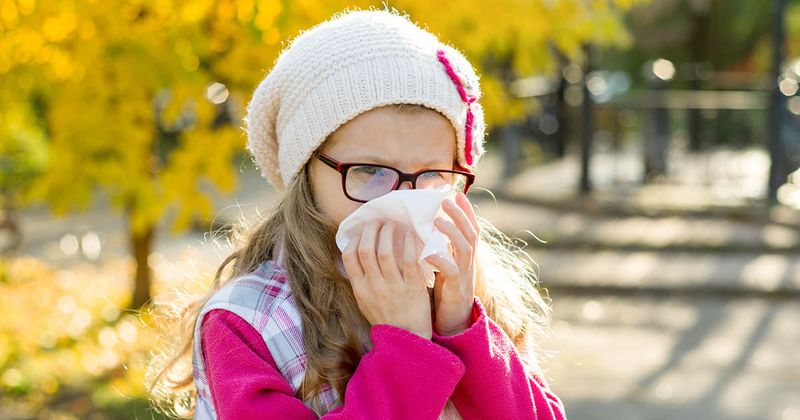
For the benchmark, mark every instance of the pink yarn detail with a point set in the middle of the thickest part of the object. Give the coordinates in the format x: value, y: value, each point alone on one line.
x: 468, y: 136
x: 467, y: 99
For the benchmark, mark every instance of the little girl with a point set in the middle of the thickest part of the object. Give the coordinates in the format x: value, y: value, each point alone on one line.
x: 358, y: 106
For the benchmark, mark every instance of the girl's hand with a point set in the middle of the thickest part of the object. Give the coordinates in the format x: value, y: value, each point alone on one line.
x: 454, y: 289
x: 388, y: 286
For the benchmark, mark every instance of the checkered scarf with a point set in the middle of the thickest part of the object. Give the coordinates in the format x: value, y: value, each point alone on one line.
x: 263, y: 299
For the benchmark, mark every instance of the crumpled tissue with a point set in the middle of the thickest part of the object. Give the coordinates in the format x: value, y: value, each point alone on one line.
x: 414, y: 208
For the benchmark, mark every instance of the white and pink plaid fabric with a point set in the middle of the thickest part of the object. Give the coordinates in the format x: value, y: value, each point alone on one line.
x: 263, y: 299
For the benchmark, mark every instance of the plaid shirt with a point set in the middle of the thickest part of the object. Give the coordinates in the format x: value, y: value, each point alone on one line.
x: 263, y: 299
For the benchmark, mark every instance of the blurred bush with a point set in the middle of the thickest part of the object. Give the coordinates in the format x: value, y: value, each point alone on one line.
x: 68, y: 350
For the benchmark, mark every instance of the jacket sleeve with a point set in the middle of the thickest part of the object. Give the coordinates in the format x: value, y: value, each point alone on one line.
x: 495, y: 383
x: 404, y: 376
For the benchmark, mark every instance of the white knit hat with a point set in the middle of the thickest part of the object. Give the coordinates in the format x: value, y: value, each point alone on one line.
x: 347, y: 65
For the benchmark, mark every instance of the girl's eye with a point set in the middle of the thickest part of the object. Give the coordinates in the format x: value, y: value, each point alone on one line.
x: 435, y: 175
x: 434, y: 179
x: 371, y: 172
x: 367, y: 170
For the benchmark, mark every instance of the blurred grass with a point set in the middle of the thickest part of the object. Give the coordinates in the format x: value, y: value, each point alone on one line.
x: 69, y: 349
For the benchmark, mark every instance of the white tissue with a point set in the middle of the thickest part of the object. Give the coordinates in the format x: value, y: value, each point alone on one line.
x: 413, y: 208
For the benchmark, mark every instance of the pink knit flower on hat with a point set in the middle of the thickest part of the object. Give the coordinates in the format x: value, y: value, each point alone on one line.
x: 467, y: 91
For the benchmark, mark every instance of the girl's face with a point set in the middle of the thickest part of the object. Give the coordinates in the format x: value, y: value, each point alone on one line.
x: 408, y: 141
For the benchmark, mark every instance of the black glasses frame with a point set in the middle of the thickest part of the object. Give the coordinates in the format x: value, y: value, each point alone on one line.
x: 343, y: 167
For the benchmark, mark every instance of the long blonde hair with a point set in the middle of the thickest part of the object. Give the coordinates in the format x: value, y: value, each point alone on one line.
x: 334, y: 330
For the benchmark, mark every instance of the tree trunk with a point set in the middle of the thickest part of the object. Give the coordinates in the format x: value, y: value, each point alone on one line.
x: 587, y: 125
x: 141, y: 245
x: 698, y: 54
x: 777, y: 107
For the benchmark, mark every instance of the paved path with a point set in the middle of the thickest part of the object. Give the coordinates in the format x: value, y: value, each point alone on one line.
x: 710, y: 359
x: 721, y: 183
x: 668, y: 254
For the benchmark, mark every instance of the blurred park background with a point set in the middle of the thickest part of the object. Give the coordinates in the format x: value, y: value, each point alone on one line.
x: 646, y: 151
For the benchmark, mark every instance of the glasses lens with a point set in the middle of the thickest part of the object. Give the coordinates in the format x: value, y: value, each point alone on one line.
x: 368, y: 182
x: 438, y: 179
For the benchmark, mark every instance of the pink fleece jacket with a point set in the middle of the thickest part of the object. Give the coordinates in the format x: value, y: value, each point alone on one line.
x: 404, y: 376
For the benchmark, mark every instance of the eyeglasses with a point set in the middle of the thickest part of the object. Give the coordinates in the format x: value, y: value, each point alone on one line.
x: 362, y: 182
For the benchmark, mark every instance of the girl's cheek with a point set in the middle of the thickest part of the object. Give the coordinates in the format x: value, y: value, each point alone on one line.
x: 335, y: 208
x: 340, y: 209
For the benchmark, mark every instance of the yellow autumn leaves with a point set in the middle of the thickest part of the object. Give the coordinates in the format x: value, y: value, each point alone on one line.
x: 95, y: 68
x: 60, y: 333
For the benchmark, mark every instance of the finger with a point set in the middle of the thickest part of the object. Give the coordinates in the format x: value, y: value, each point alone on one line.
x: 386, y: 259
x: 438, y: 286
x: 350, y: 259
x: 462, y: 246
x: 466, y: 206
x: 461, y: 220
x: 366, y: 251
x: 449, y: 270
x: 355, y: 274
x: 411, y: 267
